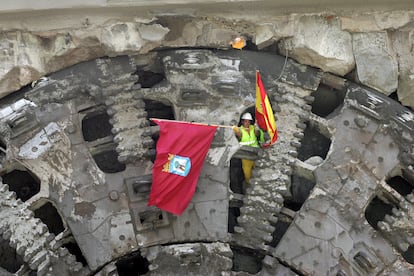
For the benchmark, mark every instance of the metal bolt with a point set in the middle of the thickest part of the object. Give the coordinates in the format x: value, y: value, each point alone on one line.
x: 114, y: 195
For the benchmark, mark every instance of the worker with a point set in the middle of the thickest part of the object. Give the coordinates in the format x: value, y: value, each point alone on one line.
x: 248, y: 135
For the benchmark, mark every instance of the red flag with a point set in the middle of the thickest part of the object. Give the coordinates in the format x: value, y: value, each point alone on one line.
x: 181, y: 150
x: 264, y: 113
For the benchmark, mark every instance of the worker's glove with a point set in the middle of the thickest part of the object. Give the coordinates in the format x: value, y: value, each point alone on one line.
x: 235, y: 129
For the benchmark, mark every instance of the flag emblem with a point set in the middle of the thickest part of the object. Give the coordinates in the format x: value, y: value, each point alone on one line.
x: 177, y: 165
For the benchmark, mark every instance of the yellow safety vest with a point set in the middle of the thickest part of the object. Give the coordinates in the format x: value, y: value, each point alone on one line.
x: 248, y: 138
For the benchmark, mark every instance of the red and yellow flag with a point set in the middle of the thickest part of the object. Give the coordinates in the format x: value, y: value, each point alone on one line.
x: 264, y: 113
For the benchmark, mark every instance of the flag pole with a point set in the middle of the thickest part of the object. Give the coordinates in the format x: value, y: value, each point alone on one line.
x: 201, y: 124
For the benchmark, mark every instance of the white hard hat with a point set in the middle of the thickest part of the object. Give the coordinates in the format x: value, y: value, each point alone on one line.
x: 247, y: 116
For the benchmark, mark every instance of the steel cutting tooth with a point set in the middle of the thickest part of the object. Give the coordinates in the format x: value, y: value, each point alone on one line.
x: 26, y: 233
x: 44, y: 267
x: 37, y: 259
x: 257, y: 208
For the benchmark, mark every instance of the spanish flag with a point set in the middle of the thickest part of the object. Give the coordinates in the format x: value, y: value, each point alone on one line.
x: 264, y: 113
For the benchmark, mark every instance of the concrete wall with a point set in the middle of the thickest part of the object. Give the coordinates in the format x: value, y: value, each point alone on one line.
x: 279, y: 6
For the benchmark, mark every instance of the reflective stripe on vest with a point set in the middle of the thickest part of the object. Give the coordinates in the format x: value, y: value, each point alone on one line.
x: 248, y: 143
x: 248, y: 140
